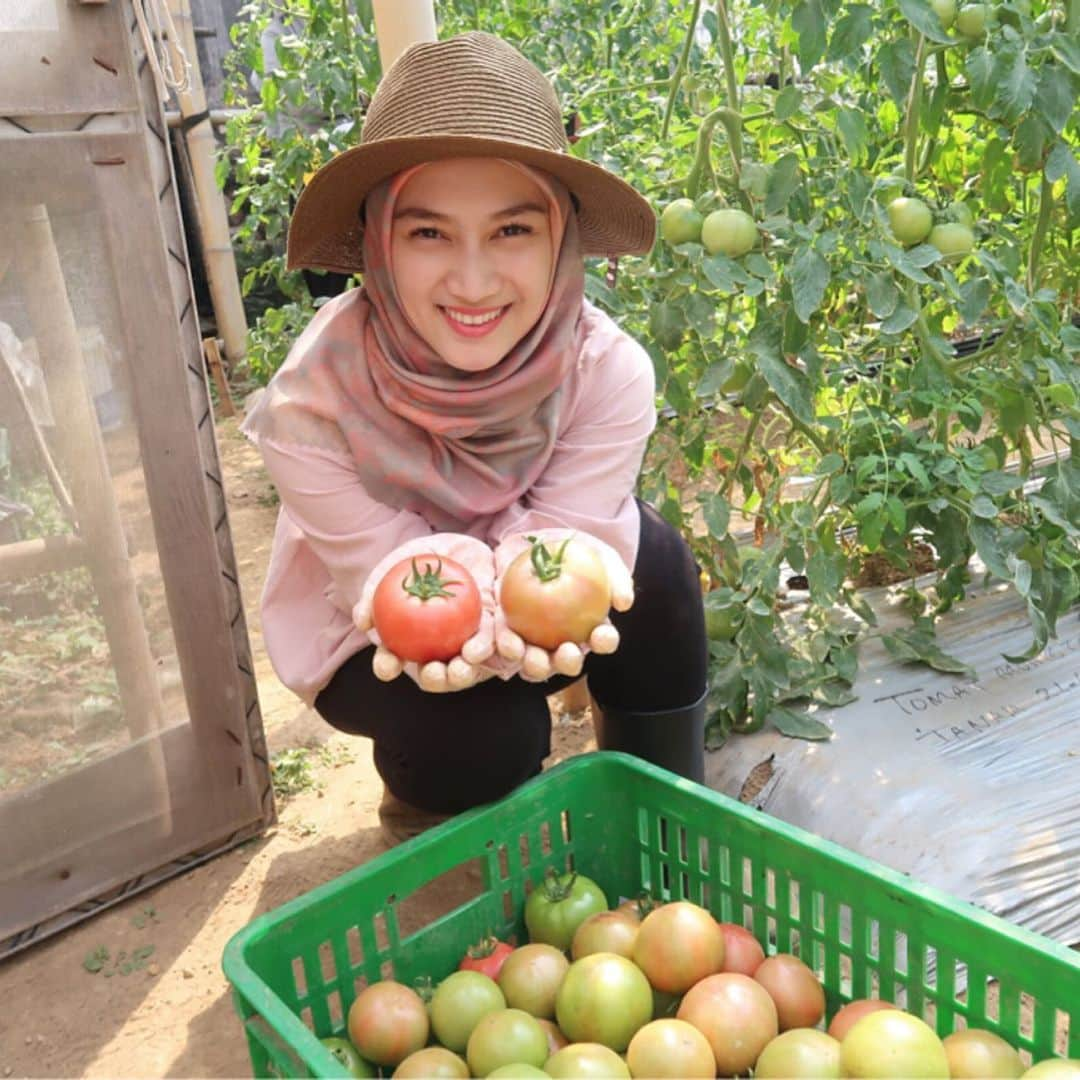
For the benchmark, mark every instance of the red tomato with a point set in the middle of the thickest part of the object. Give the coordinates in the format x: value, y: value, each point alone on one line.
x: 606, y: 931
x: 736, y: 1015
x: 387, y: 1022
x: 487, y: 957
x: 678, y: 945
x: 742, y: 951
x: 550, y: 597
x: 425, y: 608
x: 799, y: 997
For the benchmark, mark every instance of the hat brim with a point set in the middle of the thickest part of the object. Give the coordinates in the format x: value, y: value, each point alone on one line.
x: 326, y: 232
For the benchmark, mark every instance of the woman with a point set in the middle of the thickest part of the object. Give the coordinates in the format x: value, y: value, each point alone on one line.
x: 466, y: 399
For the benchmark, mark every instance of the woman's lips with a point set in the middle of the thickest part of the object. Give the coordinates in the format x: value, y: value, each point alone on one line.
x: 492, y: 317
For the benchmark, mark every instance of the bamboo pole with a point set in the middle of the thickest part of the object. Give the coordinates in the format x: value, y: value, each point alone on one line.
x: 400, y: 23
x: 82, y: 452
x: 213, y: 215
x: 45, y: 555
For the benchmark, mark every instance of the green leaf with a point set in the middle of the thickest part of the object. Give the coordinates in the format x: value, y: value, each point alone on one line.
x: 1061, y: 161
x: 1014, y: 81
x: 809, y: 281
x: 983, y: 506
x: 1067, y: 50
x: 667, y: 325
x: 809, y: 22
x: 986, y: 538
x: 1055, y: 98
x: 788, y: 383
x: 787, y: 103
x: 882, y: 295
x: 798, y: 725
x: 825, y: 573
x: 716, y: 374
x: 923, y: 17
x: 995, y: 482
x: 1029, y: 140
x: 716, y: 512
x: 915, y: 467
x: 831, y: 463
x: 915, y: 644
x: 871, y: 529
x: 974, y: 296
x: 899, y: 321
x: 784, y: 180
x: 852, y: 30
x: 896, y: 62
x: 851, y: 123
x: 980, y: 72
x: 834, y: 692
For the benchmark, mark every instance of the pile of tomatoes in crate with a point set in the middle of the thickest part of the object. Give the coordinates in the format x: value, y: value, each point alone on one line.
x: 647, y: 990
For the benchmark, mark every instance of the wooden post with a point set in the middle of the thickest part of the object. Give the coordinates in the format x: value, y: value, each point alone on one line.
x: 82, y: 452
x: 212, y: 352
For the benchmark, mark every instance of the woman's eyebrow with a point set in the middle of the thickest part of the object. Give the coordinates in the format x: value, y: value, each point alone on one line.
x: 521, y: 208
x: 422, y: 213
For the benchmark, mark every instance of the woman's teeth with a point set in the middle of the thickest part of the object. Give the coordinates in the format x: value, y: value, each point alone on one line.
x: 473, y: 320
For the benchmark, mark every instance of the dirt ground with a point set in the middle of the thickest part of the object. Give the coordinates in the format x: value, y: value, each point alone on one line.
x: 173, y: 1016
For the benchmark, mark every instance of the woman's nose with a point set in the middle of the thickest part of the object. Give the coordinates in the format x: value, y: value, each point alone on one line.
x: 473, y: 277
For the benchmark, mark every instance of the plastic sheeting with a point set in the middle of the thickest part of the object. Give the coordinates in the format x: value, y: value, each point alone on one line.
x: 969, y: 784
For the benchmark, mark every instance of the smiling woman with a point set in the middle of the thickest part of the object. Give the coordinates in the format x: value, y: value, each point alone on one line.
x: 468, y: 405
x: 474, y: 281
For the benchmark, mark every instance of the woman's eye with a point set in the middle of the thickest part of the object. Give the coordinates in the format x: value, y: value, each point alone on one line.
x: 425, y: 232
x: 514, y: 229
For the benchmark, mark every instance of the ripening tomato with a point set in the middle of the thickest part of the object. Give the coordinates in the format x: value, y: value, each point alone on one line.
x: 554, y: 595
x: 425, y: 608
x: 680, y: 222
x: 678, y: 945
x: 606, y: 931
x: 892, y: 1042
x: 434, y: 1062
x: 977, y: 1053
x: 487, y: 957
x: 852, y: 1012
x: 729, y: 232
x: 531, y: 978
x: 952, y: 239
x: 387, y: 1022
x: 736, y: 1015
x: 605, y: 999
x: 799, y: 997
x: 556, y: 1039
x: 459, y: 1003
x: 910, y: 220
x: 559, y: 905
x: 670, y: 1048
x: 506, y: 1038
x: 742, y: 951
x: 585, y: 1059
x: 802, y: 1052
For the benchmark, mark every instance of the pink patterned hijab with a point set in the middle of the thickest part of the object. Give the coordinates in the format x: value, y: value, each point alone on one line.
x: 423, y: 436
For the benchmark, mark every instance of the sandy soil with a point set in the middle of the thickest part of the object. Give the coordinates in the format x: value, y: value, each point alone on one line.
x: 173, y: 1016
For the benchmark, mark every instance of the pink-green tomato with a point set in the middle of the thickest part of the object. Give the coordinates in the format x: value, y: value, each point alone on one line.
x: 729, y: 232
x: 604, y: 998
x: 509, y: 1037
x: 586, y: 1061
x: 803, y: 1052
x: 893, y: 1044
x: 459, y: 1003
x: 976, y: 1054
x: 1054, y: 1069
x: 432, y: 1063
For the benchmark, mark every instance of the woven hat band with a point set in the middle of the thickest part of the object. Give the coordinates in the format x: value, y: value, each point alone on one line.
x: 472, y: 85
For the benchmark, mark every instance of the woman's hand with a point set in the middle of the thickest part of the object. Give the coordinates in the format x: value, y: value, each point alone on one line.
x: 463, y: 670
x: 539, y: 664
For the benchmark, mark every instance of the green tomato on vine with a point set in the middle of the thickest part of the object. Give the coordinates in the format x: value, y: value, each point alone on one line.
x: 971, y: 21
x: 910, y: 220
x: 952, y: 239
x: 945, y: 11
x: 680, y: 223
x: 729, y: 232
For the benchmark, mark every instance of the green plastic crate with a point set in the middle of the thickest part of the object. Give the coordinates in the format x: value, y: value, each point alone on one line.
x: 867, y: 930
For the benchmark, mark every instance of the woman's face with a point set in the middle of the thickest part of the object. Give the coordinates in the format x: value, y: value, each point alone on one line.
x: 471, y: 255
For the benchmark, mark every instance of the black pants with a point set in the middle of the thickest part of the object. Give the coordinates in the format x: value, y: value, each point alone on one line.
x: 447, y: 752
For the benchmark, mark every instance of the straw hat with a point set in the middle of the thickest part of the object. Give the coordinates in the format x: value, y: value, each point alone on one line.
x: 468, y: 96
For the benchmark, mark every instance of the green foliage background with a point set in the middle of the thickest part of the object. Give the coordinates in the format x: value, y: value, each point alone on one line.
x: 813, y: 390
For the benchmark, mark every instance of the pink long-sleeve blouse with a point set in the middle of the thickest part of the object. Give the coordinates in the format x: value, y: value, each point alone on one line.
x: 330, y: 533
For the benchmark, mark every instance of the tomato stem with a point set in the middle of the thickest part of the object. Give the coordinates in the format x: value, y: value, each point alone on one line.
x: 427, y: 584
x: 547, y: 566
x: 914, y: 102
x: 555, y: 890
x: 1046, y: 205
x: 680, y: 70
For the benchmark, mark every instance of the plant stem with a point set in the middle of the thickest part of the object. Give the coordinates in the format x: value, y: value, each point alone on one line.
x: 1046, y: 206
x: 743, y: 448
x: 914, y: 104
x: 680, y: 70
x: 702, y: 167
x: 346, y: 26
x: 727, y: 57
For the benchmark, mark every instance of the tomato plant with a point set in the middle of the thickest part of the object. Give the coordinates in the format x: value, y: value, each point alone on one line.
x: 559, y: 905
x: 425, y: 608
x: 552, y: 595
